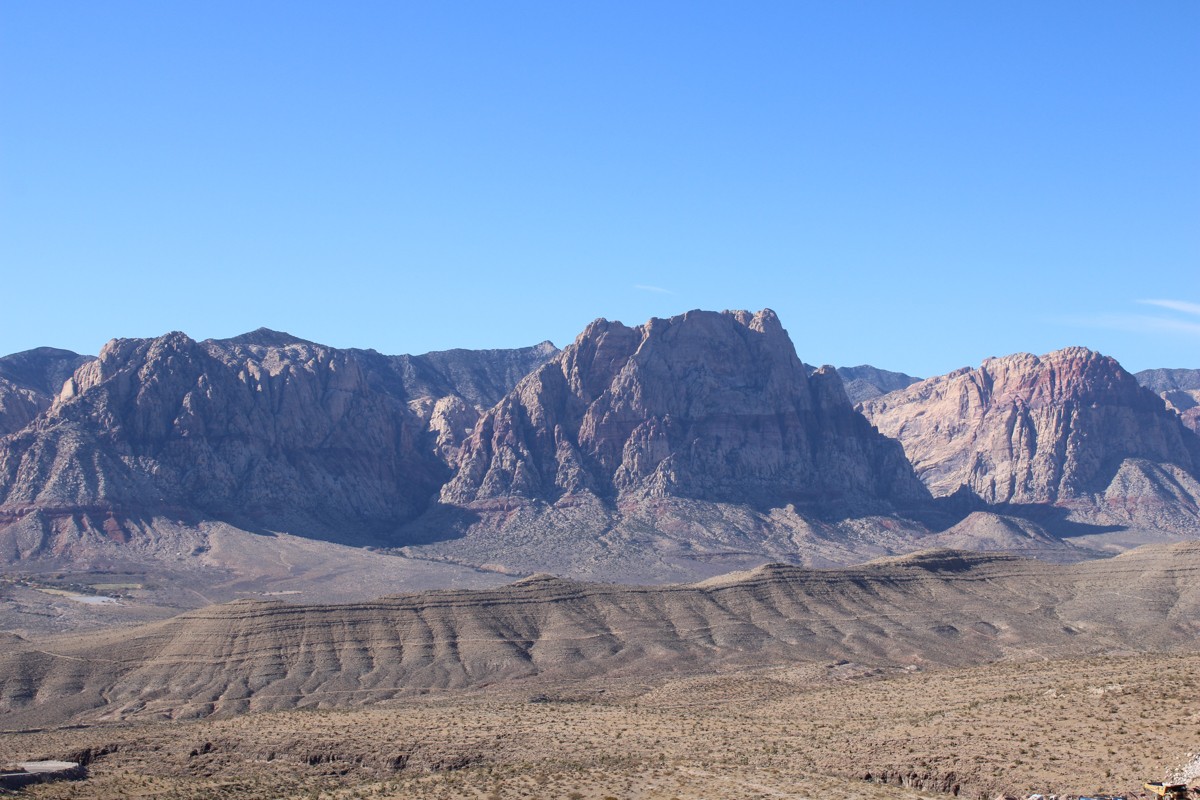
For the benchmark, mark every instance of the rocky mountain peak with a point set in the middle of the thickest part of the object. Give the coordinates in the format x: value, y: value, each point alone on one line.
x: 706, y: 405
x: 1163, y: 380
x: 290, y: 436
x: 865, y: 382
x: 264, y: 337
x: 1025, y: 428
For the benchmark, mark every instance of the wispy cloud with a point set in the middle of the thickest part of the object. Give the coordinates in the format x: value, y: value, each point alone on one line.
x: 1174, y: 305
x: 1145, y: 323
x: 1135, y: 323
x: 643, y: 287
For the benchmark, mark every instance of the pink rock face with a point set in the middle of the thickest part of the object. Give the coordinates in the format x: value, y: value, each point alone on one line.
x: 708, y: 405
x: 1024, y: 429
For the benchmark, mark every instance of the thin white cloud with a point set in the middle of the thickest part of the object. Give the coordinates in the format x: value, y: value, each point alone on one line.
x: 1134, y: 323
x: 643, y: 287
x: 1174, y: 305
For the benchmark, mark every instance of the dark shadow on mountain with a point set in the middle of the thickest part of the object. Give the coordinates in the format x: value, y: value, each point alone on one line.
x: 1053, y: 520
x: 439, y: 523
x: 943, y: 513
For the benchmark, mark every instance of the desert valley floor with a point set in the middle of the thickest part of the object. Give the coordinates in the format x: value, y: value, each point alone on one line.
x: 934, y: 674
x: 831, y: 730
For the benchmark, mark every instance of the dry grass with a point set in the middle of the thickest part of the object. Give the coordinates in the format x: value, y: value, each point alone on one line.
x: 1076, y: 726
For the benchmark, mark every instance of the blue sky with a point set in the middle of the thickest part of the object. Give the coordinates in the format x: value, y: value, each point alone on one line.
x: 917, y: 185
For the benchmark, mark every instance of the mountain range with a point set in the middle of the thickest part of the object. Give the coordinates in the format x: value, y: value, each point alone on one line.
x: 673, y: 450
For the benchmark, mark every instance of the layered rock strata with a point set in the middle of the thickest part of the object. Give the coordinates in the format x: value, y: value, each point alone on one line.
x: 935, y: 608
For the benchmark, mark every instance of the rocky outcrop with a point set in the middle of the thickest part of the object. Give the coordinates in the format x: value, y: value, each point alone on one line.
x: 29, y: 382
x: 480, y: 377
x: 448, y: 390
x: 866, y: 382
x: 1179, y: 389
x: 712, y: 406
x: 1055, y: 429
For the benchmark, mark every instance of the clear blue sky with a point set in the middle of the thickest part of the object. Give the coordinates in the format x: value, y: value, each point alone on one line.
x: 916, y: 185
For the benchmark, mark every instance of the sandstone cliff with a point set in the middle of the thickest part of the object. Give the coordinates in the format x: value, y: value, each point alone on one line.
x: 449, y: 389
x: 1065, y: 427
x: 712, y: 406
x: 284, y: 436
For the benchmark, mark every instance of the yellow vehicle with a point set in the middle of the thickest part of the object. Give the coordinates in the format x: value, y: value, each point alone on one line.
x: 1167, y: 791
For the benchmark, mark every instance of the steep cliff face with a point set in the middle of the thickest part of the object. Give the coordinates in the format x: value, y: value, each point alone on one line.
x: 1024, y: 429
x: 285, y: 433
x: 712, y: 406
x: 29, y: 382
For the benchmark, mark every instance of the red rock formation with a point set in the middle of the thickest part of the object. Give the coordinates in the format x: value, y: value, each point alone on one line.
x: 1024, y: 429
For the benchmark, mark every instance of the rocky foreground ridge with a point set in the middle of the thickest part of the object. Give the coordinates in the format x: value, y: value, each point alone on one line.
x: 930, y: 609
x: 671, y: 450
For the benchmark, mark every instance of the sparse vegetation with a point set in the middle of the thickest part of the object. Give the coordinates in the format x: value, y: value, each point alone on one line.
x: 779, y: 732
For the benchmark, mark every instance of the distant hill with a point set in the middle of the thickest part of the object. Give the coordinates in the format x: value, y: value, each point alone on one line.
x: 934, y: 608
x: 1179, y: 389
x: 866, y: 382
x: 1164, y: 380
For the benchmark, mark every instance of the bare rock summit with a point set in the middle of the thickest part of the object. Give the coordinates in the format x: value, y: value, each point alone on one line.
x: 706, y: 405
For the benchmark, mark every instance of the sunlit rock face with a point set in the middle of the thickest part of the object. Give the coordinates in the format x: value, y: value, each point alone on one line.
x: 1058, y: 428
